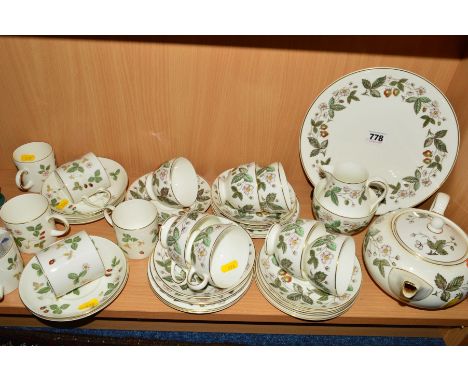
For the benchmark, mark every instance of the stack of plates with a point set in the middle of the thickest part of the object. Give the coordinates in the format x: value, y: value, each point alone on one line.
x: 256, y: 224
x: 37, y: 295
x: 81, y: 212
x: 300, y: 298
x: 137, y: 190
x: 181, y: 297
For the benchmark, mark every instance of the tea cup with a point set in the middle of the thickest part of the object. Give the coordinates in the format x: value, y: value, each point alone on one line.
x: 83, y: 178
x: 273, y: 189
x: 219, y: 255
x: 239, y: 190
x: 329, y: 263
x: 30, y: 220
x: 177, y: 232
x: 136, y: 226
x: 71, y: 263
x: 174, y: 183
x: 288, y: 241
x: 11, y: 264
x: 35, y: 161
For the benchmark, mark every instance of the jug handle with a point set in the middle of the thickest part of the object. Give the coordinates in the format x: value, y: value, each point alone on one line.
x: 326, y: 174
x: 438, y: 206
x: 380, y: 183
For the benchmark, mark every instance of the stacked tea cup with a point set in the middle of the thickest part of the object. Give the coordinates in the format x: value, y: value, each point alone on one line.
x: 203, y: 263
x: 306, y: 272
x: 255, y: 197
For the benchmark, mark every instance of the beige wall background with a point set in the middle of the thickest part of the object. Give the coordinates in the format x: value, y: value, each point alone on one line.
x: 143, y: 101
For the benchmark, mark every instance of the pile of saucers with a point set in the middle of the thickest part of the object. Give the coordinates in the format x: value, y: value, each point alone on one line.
x: 255, y: 197
x: 83, y: 200
x: 307, y: 273
x: 207, y: 264
x: 166, y: 206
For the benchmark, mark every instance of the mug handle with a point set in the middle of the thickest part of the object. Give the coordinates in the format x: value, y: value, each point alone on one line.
x: 56, y: 232
x: 19, y: 180
x: 90, y: 203
x: 381, y: 183
x: 196, y: 287
x: 173, y: 275
x: 149, y: 187
x: 107, y: 214
x: 1, y: 292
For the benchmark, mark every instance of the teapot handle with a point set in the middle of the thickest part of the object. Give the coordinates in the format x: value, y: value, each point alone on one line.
x: 380, y: 183
x: 438, y: 206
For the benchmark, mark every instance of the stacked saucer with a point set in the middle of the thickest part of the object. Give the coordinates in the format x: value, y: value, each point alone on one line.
x: 79, y: 213
x: 254, y: 219
x: 298, y: 298
x: 169, y: 281
x: 37, y: 295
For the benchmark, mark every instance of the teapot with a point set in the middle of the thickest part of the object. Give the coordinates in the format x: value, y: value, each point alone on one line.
x: 344, y: 199
x: 419, y: 257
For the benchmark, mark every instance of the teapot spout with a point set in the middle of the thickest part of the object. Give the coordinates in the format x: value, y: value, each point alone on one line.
x: 409, y: 290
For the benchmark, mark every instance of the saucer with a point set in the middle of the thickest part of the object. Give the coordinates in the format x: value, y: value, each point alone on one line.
x: 299, y: 298
x: 162, y: 265
x: 38, y: 297
x: 164, y: 293
x: 137, y: 190
x: 59, y: 200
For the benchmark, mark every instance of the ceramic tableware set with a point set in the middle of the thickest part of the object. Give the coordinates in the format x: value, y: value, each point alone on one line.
x: 378, y: 142
x: 308, y: 273
x: 174, y: 188
x: 255, y: 197
x: 81, y: 189
x: 73, y: 278
x: 202, y: 263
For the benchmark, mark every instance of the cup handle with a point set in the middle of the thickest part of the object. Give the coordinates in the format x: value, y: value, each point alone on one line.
x: 222, y: 191
x: 149, y: 187
x: 381, y: 183
x: 19, y: 180
x: 271, y: 238
x: 173, y: 275
x: 56, y: 232
x: 107, y: 214
x: 196, y: 287
x: 1, y: 292
x: 165, y: 229
x: 108, y: 196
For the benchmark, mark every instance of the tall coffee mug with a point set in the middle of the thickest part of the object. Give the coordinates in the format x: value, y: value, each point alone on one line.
x: 71, y: 263
x: 136, y: 226
x: 83, y: 178
x: 35, y: 161
x: 31, y: 222
x: 11, y: 264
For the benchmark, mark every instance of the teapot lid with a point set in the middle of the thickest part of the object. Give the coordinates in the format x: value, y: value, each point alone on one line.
x: 431, y: 236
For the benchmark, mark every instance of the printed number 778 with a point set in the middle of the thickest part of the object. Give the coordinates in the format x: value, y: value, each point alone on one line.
x: 376, y: 137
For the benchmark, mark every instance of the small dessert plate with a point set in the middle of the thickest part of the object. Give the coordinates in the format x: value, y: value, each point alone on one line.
x: 37, y: 295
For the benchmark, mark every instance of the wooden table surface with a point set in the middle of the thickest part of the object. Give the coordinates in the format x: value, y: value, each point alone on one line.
x: 137, y: 301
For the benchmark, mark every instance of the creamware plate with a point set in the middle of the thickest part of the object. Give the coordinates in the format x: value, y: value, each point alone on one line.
x: 397, y: 124
x: 60, y: 203
x: 164, y: 293
x: 137, y: 190
x: 37, y: 296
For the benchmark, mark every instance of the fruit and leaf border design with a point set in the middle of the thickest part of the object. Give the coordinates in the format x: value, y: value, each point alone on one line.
x: 266, y: 176
x: 339, y: 225
x: 33, y: 237
x: 76, y: 171
x: 345, y: 195
x: 434, y: 149
x: 13, y: 265
x: 289, y: 288
x: 53, y: 304
x: 384, y: 259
